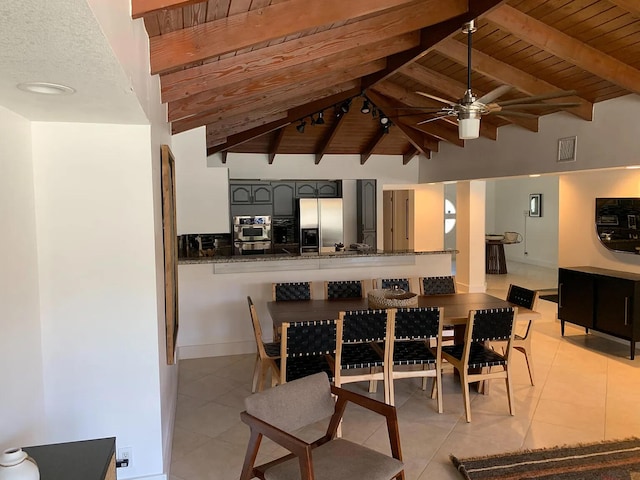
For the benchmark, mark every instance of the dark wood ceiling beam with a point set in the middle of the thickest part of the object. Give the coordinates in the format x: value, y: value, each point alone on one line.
x: 140, y: 8
x: 330, y: 136
x: 631, y: 6
x: 292, y: 115
x: 408, y: 155
x: 375, y: 141
x: 235, y: 93
x: 216, y: 135
x: 193, y: 44
x: 275, y: 145
x: 508, y: 75
x: 393, y: 90
x: 278, y: 99
x: 568, y: 48
x: 288, y: 54
x: 415, y: 138
x: 430, y: 36
x: 224, y: 157
x: 441, y: 132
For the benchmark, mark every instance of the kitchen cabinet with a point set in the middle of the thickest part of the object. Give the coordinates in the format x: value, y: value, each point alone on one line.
x: 398, y: 215
x: 366, y: 212
x: 250, y: 194
x: 603, y: 300
x: 319, y: 189
x: 284, y: 203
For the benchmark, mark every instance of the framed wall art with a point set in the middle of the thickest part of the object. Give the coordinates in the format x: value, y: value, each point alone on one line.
x: 535, y: 204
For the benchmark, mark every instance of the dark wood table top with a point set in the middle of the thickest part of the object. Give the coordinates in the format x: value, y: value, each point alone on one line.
x: 456, y: 307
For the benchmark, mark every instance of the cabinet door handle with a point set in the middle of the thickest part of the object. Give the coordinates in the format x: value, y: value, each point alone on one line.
x: 626, y: 310
x: 560, y: 296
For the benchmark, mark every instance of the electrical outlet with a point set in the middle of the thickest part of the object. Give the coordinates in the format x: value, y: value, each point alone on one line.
x: 125, y: 456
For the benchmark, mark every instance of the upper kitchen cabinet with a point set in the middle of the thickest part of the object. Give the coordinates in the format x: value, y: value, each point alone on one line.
x: 250, y: 193
x: 319, y: 189
x: 284, y: 202
x: 366, y: 213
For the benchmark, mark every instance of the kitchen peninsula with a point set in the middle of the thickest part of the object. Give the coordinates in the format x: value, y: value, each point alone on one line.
x: 213, y: 314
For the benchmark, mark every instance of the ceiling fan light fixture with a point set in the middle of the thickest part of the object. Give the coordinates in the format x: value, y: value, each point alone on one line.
x: 468, y: 126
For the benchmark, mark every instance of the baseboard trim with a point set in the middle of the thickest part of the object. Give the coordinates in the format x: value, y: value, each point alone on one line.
x: 216, y: 350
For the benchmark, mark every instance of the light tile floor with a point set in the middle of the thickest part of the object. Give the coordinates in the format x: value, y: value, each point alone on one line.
x: 586, y: 390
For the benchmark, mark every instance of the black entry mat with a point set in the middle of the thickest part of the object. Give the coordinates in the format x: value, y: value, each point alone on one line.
x: 549, y: 298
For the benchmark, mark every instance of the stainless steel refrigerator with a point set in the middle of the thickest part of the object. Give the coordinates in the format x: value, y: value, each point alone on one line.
x: 321, y: 224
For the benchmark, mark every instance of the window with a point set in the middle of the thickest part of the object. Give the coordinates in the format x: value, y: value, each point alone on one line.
x: 449, y: 216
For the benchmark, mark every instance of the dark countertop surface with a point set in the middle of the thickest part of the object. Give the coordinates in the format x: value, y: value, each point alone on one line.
x: 306, y: 256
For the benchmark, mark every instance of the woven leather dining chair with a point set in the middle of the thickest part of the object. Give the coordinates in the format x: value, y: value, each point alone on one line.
x: 437, y: 285
x: 414, y: 329
x: 344, y: 289
x: 291, y: 291
x: 474, y: 358
x: 267, y: 357
x: 279, y: 412
x: 526, y: 298
x: 389, y: 283
x: 358, y: 357
x: 307, y: 348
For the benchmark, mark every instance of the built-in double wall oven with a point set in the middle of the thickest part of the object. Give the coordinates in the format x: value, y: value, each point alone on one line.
x: 252, y: 234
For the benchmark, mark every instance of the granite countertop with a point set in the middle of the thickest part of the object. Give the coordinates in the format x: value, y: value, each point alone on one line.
x: 306, y: 256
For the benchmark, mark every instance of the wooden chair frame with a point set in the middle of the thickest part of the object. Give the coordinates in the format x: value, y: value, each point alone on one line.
x: 304, y: 450
x: 264, y: 361
x: 522, y: 343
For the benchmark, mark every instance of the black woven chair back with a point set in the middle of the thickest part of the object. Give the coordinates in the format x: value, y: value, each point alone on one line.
x: 344, y: 289
x: 521, y: 296
x: 360, y: 326
x: 402, y: 283
x: 438, y: 285
x: 292, y: 291
x: 417, y: 323
x: 492, y: 324
x: 311, y: 338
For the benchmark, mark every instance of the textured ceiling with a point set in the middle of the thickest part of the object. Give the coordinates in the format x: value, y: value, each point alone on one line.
x: 60, y: 41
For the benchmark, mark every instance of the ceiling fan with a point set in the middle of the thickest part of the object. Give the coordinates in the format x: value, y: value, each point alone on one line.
x: 469, y: 109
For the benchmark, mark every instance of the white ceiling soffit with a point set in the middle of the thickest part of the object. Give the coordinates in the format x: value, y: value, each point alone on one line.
x: 60, y: 41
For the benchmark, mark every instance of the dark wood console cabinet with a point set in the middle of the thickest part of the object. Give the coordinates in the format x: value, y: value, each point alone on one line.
x: 607, y: 301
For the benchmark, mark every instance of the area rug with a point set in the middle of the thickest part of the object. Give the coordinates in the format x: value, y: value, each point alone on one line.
x: 549, y: 294
x: 612, y: 460
x: 549, y: 298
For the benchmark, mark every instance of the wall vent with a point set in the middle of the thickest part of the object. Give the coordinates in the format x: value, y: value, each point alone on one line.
x: 567, y: 149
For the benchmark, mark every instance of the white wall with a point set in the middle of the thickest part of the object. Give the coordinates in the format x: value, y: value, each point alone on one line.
x: 94, y: 202
x: 22, y: 413
x: 510, y: 199
x: 611, y: 139
x: 578, y: 242
x: 202, y: 194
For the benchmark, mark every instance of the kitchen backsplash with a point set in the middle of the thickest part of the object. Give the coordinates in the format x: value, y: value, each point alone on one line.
x: 204, y: 245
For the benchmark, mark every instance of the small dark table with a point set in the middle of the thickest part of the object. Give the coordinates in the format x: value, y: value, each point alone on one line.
x: 495, y: 259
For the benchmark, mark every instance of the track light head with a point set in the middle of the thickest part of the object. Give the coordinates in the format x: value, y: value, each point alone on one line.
x: 320, y: 119
x: 366, y: 106
x: 344, y: 107
x: 300, y: 127
x: 384, y: 120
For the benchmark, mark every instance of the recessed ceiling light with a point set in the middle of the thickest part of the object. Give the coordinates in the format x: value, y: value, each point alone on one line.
x: 533, y: 175
x: 633, y: 167
x: 46, y: 88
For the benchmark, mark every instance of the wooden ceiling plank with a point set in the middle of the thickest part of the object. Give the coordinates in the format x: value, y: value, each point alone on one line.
x: 631, y: 6
x: 508, y: 75
x: 278, y: 99
x: 277, y: 141
x: 566, y: 47
x: 288, y: 54
x: 331, y: 135
x: 182, y: 47
x: 431, y: 35
x: 375, y: 141
x: 281, y: 78
x: 293, y: 115
x: 140, y: 8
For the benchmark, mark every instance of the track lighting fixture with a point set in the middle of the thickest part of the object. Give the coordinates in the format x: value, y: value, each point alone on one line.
x: 345, y: 106
x: 384, y: 120
x: 301, y: 126
x: 374, y: 112
x: 320, y: 119
x: 366, y: 106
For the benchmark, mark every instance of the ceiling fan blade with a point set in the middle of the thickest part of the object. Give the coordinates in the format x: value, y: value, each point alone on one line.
x: 538, y: 98
x: 537, y: 105
x: 494, y: 94
x: 435, y: 118
x: 433, y: 97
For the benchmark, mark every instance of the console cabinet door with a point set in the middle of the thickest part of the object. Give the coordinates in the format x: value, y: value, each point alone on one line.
x: 576, y: 297
x: 614, y: 306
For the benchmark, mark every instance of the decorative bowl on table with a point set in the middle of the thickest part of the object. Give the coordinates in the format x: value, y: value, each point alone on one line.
x: 492, y: 237
x: 381, y: 298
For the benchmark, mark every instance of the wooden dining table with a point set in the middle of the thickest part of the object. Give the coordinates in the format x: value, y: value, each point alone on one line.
x: 456, y: 307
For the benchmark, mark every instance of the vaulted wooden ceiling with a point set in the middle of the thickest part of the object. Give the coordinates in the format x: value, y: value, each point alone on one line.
x: 252, y: 71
